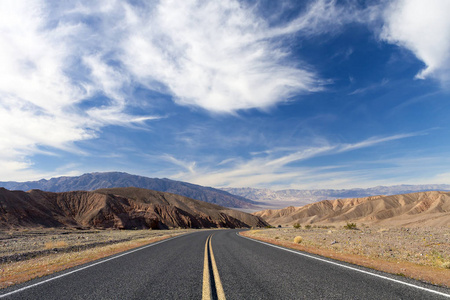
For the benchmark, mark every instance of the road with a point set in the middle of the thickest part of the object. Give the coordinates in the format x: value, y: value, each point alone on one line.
x: 226, y: 266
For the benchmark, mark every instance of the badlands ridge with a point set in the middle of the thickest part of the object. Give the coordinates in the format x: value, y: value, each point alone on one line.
x: 116, y: 208
x: 410, y: 210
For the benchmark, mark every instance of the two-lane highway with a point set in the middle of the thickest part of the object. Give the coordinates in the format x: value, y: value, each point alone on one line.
x: 245, y: 269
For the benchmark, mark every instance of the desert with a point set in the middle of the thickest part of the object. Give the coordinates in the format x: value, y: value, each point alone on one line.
x: 407, y: 234
x: 422, y: 209
x: 29, y: 253
x: 419, y: 253
x: 45, y: 232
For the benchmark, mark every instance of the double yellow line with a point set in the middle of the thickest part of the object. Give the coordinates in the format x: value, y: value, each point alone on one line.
x: 212, y: 286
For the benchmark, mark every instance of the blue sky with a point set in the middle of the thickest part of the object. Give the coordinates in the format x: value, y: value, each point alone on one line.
x: 268, y: 94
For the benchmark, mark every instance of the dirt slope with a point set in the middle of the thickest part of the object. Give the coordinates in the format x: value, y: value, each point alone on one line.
x: 416, y: 209
x: 121, y: 208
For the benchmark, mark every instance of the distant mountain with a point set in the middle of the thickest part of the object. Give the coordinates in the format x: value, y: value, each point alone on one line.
x: 94, y: 181
x: 118, y: 208
x: 416, y: 209
x: 303, y: 197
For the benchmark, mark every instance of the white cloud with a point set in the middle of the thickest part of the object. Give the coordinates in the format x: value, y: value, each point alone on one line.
x: 215, y: 55
x: 55, y: 60
x: 48, y: 66
x: 188, y: 166
x: 424, y: 28
x: 376, y: 140
x: 275, y: 168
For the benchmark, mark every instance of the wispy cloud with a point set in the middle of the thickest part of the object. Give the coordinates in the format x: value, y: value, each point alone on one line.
x: 371, y: 87
x: 69, y: 70
x: 56, y: 60
x: 215, y: 55
x: 376, y: 140
x: 48, y: 69
x: 275, y: 167
x: 188, y: 166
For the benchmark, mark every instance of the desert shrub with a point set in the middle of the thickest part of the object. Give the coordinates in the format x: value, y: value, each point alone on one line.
x: 350, y: 226
x: 270, y: 226
x: 297, y: 226
x: 58, y: 244
x: 308, y: 226
x: 446, y: 265
x: 298, y: 239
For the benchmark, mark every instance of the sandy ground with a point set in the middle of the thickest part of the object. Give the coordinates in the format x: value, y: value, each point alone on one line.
x: 24, y: 244
x: 27, y: 254
x: 420, y: 253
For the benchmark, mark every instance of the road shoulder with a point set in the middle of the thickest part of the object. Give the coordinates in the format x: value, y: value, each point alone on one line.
x: 435, y: 276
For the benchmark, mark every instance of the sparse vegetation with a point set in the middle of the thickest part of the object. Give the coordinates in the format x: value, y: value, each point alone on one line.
x: 422, y: 252
x: 297, y: 226
x: 298, y: 239
x: 53, y: 245
x: 308, y: 226
x: 351, y: 226
x: 29, y: 254
x: 325, y: 227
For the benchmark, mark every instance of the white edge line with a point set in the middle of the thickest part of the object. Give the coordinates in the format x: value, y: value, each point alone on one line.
x: 347, y: 267
x: 88, y: 266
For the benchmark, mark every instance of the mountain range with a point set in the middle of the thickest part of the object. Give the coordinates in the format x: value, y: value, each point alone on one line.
x: 248, y: 199
x: 117, y: 208
x: 415, y: 209
x: 282, y: 198
x: 94, y: 181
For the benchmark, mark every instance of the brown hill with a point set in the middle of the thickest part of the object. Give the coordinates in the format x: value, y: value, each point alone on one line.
x: 416, y: 209
x: 121, y: 208
x: 94, y: 181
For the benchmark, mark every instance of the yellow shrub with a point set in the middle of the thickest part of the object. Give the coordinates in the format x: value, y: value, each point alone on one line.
x: 298, y: 239
x: 59, y: 244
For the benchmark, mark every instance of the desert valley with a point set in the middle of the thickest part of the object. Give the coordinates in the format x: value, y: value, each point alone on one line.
x: 406, y: 234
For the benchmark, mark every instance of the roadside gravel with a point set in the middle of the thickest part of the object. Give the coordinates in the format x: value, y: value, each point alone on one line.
x: 420, y: 253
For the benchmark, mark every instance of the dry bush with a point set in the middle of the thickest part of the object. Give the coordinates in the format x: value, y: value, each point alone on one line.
x: 254, y: 231
x: 58, y: 244
x: 298, y: 239
x: 351, y: 226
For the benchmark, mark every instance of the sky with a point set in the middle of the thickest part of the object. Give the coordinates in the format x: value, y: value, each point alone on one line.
x: 263, y: 94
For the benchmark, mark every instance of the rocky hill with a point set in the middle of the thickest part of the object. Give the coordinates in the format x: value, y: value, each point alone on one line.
x: 119, y: 208
x: 94, y: 181
x: 415, y: 209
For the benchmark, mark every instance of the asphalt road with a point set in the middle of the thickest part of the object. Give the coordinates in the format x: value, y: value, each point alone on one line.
x: 173, y: 269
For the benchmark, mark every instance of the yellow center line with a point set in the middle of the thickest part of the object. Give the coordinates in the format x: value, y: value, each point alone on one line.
x: 218, y: 282
x: 207, y: 293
